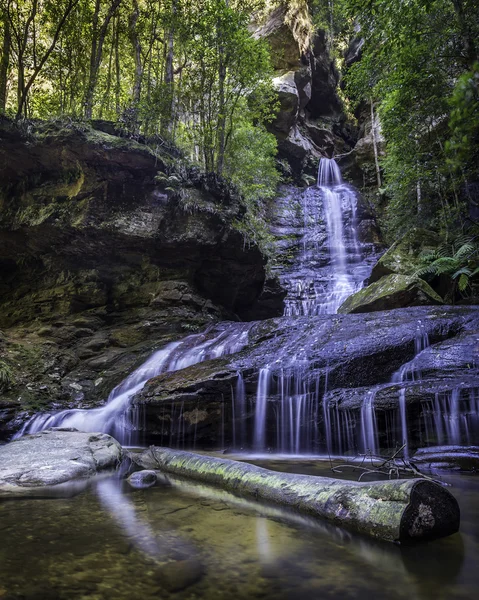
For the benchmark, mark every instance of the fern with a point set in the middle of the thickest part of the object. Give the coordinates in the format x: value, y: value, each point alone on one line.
x: 6, y: 375
x: 458, y: 260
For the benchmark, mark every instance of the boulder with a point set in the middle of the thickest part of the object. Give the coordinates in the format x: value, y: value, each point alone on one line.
x: 302, y: 79
x: 403, y: 257
x: 323, y: 138
x: 392, y: 291
x: 55, y: 456
x: 296, y: 149
x: 285, y: 51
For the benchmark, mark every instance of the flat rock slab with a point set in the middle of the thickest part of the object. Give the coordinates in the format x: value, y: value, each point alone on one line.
x: 55, y: 456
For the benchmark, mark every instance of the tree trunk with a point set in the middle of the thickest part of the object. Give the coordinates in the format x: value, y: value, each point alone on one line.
x: 396, y: 511
x: 135, y: 42
x: 98, y: 39
x: 221, y: 100
x: 169, y: 74
x: 117, y: 68
x: 375, y: 145
x: 4, y: 62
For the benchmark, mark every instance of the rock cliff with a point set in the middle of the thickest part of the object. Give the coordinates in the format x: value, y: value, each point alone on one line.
x: 101, y: 260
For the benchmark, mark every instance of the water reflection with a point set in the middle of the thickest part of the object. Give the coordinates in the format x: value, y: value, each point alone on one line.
x: 125, y: 514
x: 110, y: 542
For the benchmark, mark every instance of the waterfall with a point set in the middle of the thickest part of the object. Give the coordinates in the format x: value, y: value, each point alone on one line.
x: 261, y: 409
x: 330, y: 265
x: 116, y: 417
x: 239, y: 413
x: 453, y: 417
x: 369, y: 428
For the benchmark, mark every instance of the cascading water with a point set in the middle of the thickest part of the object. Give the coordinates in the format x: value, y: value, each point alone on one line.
x: 331, y: 263
x: 116, y: 417
x: 290, y: 411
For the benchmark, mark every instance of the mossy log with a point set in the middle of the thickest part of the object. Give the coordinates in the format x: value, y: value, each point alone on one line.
x: 397, y: 511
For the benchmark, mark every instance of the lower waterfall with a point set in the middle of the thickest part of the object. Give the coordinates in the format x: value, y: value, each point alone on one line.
x: 117, y: 417
x: 292, y: 410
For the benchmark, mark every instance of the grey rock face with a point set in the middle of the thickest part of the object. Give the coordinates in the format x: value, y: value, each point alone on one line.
x: 55, y: 456
x: 100, y: 263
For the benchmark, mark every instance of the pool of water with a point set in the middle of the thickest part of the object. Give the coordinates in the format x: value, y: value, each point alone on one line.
x: 188, y: 541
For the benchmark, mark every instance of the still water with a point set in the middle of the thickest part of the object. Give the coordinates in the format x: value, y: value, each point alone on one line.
x: 185, y: 541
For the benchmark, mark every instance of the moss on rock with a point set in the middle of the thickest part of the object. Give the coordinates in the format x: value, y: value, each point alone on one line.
x: 392, y: 291
x: 403, y: 257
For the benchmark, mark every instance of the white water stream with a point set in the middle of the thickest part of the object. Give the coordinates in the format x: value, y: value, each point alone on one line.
x: 115, y: 416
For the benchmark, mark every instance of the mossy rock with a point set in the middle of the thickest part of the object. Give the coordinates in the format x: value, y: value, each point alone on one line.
x: 392, y: 291
x: 404, y: 256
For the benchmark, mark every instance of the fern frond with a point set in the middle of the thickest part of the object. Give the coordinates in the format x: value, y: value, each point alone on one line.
x: 463, y: 282
x: 462, y: 271
x: 465, y: 251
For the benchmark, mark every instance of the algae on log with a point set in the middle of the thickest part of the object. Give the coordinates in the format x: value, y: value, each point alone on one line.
x: 396, y: 511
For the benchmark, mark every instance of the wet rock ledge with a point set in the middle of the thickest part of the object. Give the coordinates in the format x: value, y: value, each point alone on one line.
x: 53, y: 457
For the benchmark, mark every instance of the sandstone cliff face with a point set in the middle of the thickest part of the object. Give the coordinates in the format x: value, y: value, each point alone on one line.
x: 99, y: 262
x: 311, y: 121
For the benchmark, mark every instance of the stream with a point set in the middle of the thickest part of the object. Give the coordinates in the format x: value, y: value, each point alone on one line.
x: 184, y: 540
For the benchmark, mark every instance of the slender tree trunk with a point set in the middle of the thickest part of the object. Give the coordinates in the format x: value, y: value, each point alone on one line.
x: 20, y: 84
x: 117, y: 67
x: 375, y: 145
x: 221, y: 99
x: 5, y: 62
x: 169, y: 72
x: 98, y: 39
x: 135, y: 42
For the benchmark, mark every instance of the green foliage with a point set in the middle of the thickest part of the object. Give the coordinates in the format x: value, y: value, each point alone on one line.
x: 459, y: 260
x: 463, y: 145
x: 250, y: 163
x: 179, y: 68
x: 251, y: 166
x: 6, y: 376
x: 413, y: 65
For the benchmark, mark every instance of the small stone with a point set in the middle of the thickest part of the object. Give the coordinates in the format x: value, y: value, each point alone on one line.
x: 178, y: 575
x: 142, y: 479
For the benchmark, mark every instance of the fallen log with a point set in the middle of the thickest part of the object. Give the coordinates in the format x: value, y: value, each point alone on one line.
x: 397, y: 511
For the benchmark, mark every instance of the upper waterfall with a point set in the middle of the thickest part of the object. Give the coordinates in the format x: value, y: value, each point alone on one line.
x: 329, y: 173
x: 330, y: 263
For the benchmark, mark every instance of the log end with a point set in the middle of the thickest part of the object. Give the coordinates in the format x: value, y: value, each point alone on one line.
x: 432, y: 512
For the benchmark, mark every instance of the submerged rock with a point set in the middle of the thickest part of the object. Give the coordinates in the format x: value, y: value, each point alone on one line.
x: 55, y: 456
x: 180, y: 574
x: 142, y: 479
x: 392, y: 291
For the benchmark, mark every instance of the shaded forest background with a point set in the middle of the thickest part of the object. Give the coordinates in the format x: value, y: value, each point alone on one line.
x: 193, y: 75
